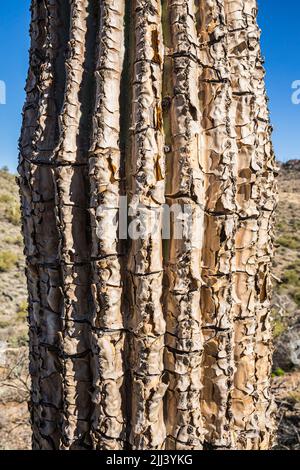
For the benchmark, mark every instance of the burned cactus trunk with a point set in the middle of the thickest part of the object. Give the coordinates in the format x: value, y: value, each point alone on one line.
x: 152, y: 339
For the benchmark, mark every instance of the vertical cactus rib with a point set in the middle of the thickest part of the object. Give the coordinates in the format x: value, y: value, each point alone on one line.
x: 37, y: 142
x: 146, y: 323
x: 251, y: 402
x: 184, y: 189
x: 106, y: 182
x: 68, y: 149
x: 219, y: 162
x: 71, y: 197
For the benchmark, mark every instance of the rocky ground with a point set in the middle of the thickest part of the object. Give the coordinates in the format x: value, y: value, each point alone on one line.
x: 14, y: 379
x: 286, y: 308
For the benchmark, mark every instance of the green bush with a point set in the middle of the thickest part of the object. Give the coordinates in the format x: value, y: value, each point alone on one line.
x: 8, y: 260
x: 278, y: 372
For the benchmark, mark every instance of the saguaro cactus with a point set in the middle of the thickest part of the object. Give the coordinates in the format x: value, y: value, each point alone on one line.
x: 154, y: 342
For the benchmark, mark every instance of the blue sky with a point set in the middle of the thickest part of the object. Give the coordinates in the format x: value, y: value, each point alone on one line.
x: 280, y: 44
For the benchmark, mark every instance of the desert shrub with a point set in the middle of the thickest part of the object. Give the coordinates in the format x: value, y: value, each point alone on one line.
x: 11, y: 208
x: 295, y: 396
x: 291, y: 277
x: 18, y: 340
x: 296, y: 297
x: 295, y: 223
x: 289, y: 241
x: 280, y: 226
x: 294, y: 265
x: 8, y: 260
x: 6, y: 198
x: 278, y: 328
x: 22, y: 310
x: 4, y: 323
x: 13, y: 214
x: 18, y: 240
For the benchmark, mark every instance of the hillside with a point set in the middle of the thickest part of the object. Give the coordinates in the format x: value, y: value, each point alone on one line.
x: 14, y: 381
